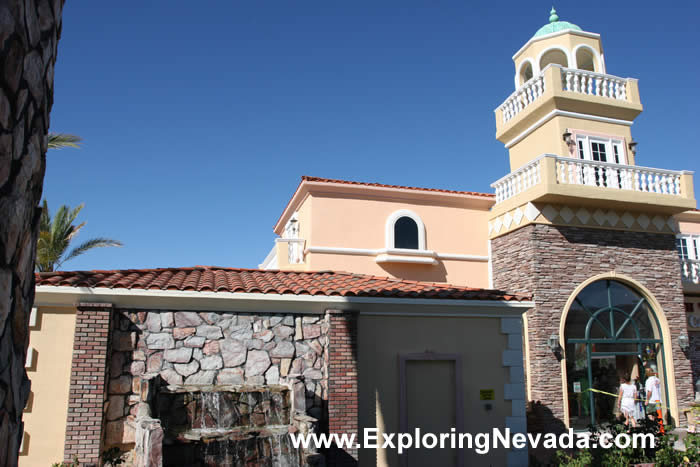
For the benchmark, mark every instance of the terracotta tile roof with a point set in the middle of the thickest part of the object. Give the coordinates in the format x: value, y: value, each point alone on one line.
x: 380, y: 185
x: 216, y: 279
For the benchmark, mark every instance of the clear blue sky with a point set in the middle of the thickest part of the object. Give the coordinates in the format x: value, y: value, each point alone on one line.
x: 200, y: 117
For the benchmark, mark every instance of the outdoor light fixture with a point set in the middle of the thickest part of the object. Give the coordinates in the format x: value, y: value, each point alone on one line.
x: 570, y: 143
x: 633, y: 147
x: 567, y: 137
x: 553, y: 342
x: 683, y: 342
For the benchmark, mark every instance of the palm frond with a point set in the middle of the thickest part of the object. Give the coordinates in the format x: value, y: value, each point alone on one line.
x: 55, y: 235
x: 89, y: 245
x: 64, y: 140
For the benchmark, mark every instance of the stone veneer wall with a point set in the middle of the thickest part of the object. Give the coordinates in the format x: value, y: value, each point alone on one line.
x: 694, y: 354
x: 187, y: 347
x: 551, y: 261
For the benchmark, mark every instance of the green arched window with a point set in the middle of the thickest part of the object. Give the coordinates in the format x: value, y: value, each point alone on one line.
x: 610, y: 330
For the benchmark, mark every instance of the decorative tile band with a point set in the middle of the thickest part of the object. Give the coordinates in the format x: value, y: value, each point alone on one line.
x: 580, y: 217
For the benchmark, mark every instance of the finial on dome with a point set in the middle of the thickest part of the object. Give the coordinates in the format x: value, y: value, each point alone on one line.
x: 553, y: 18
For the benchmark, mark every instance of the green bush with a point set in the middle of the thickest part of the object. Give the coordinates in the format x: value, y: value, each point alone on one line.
x: 663, y: 453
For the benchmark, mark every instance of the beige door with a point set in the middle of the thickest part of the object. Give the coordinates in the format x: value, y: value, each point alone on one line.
x: 430, y: 406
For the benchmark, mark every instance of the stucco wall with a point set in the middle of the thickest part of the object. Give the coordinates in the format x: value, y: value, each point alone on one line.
x: 361, y: 224
x: 45, y: 418
x: 381, y: 339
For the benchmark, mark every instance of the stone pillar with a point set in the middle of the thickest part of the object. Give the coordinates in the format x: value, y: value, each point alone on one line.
x: 549, y: 262
x: 343, y: 410
x: 30, y: 33
x: 88, y: 381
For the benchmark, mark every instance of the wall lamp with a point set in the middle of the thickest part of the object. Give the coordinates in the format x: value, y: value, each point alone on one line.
x: 553, y: 342
x: 566, y: 136
x: 633, y: 147
x: 683, y: 342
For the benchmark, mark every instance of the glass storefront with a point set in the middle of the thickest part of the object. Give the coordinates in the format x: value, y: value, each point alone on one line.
x: 610, y: 331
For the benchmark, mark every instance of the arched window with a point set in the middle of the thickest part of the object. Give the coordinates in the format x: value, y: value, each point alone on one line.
x: 405, y: 230
x: 610, y: 331
x: 526, y: 72
x: 585, y: 59
x: 406, y: 233
x: 556, y: 56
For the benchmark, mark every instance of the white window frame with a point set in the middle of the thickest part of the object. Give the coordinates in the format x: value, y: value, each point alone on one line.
x: 584, y: 142
x: 389, y: 228
x: 692, y: 246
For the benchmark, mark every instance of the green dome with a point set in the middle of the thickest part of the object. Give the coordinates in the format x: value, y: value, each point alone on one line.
x: 555, y: 25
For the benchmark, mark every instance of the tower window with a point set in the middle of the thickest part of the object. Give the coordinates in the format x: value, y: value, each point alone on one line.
x: 554, y: 56
x: 594, y: 148
x: 525, y: 73
x: 406, y: 233
x: 585, y: 59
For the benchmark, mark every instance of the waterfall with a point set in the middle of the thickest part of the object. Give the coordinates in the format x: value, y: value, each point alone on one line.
x: 246, y: 426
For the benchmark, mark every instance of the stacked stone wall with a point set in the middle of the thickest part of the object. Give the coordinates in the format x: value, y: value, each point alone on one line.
x: 694, y: 354
x: 214, y: 348
x: 551, y: 261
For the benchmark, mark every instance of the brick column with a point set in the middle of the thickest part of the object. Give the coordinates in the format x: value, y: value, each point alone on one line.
x: 86, y: 397
x: 342, y: 384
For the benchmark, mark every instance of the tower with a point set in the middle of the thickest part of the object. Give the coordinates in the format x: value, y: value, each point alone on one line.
x: 578, y: 224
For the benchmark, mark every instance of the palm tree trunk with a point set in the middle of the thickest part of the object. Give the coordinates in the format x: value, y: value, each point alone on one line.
x: 29, y: 33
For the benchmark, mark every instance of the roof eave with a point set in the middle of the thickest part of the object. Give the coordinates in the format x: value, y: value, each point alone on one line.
x: 63, y: 296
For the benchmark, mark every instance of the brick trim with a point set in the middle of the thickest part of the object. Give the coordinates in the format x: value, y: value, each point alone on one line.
x: 87, y: 393
x: 343, y: 410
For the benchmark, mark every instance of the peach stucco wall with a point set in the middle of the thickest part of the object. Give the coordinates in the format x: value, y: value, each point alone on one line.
x: 469, y: 273
x: 45, y: 417
x: 455, y: 227
x: 689, y: 227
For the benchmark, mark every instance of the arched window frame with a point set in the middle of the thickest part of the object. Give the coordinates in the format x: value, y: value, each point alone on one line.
x: 599, y: 65
x: 391, y: 221
x: 518, y: 72
x: 660, y: 321
x: 569, y: 61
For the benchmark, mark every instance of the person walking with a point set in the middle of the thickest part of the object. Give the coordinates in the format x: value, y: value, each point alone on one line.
x: 652, y: 387
x: 626, y: 400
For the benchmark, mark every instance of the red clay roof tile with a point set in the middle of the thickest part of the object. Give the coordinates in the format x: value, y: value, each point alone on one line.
x: 218, y: 279
x: 308, y: 178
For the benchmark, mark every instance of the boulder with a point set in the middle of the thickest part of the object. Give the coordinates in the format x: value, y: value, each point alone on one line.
x: 257, y: 363
x: 233, y: 352
x: 186, y: 319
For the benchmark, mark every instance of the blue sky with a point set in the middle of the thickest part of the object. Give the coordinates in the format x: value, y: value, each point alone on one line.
x: 199, y: 118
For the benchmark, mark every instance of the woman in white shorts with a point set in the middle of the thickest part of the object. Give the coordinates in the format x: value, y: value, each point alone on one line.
x: 626, y: 400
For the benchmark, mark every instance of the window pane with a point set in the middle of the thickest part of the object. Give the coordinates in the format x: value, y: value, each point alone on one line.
x: 598, y: 151
x: 406, y: 233
x: 616, y: 152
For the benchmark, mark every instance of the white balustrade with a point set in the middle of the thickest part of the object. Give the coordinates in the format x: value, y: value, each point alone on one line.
x: 690, y: 270
x: 573, y: 80
x: 522, y: 97
x: 594, y: 84
x: 625, y: 177
x: 522, y: 179
x: 295, y: 249
x: 571, y: 171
